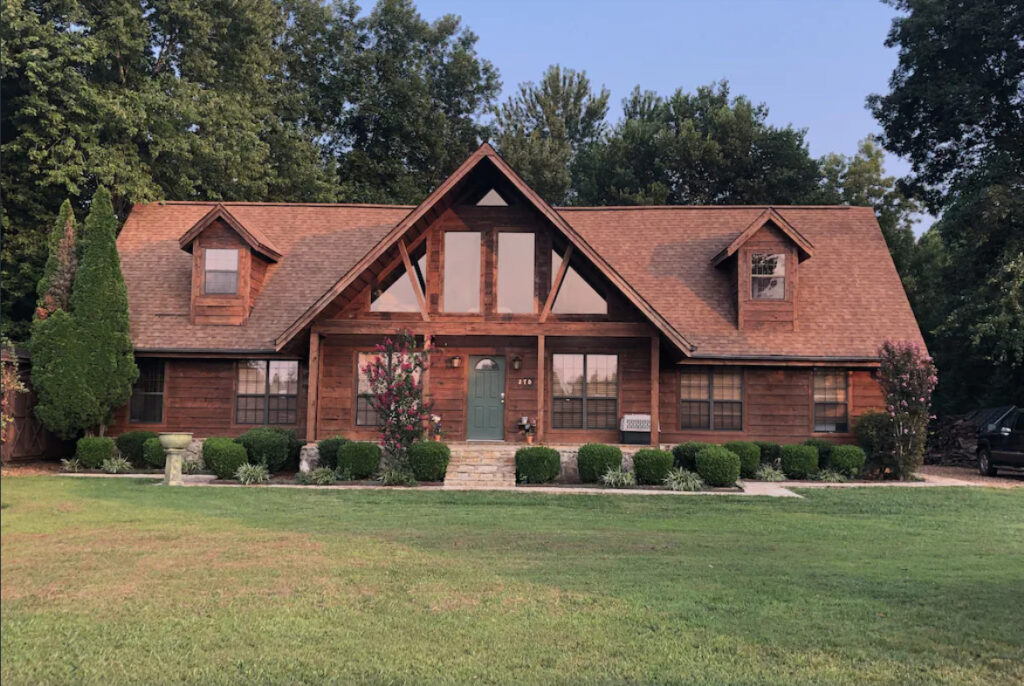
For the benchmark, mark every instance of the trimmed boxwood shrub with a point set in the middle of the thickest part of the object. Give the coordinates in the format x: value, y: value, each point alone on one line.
x: 847, y: 459
x: 824, y: 451
x: 130, y: 446
x: 594, y: 459
x: 223, y: 456
x: 536, y: 464
x: 749, y: 454
x: 328, y: 450
x: 651, y: 465
x: 685, y: 454
x: 359, y: 460
x: 266, y: 446
x: 428, y: 460
x: 92, y: 450
x: 153, y: 453
x: 873, y: 431
x: 718, y: 466
x: 799, y: 461
x: 770, y: 452
x: 294, y: 447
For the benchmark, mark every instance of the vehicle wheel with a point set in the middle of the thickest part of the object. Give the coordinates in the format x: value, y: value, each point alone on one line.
x: 985, y: 464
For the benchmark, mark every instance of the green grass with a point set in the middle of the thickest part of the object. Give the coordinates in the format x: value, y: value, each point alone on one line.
x: 122, y: 581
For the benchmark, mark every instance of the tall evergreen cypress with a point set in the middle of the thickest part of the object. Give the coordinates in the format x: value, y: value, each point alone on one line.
x: 54, y: 287
x: 99, y: 304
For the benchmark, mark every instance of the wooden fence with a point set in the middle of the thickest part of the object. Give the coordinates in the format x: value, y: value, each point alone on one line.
x: 26, y: 439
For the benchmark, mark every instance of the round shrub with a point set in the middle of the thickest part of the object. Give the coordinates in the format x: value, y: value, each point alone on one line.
x: 266, y: 446
x: 799, y: 461
x: 537, y: 465
x: 847, y: 459
x: 92, y: 450
x: 651, y: 465
x: 594, y: 459
x: 294, y: 446
x: 130, y: 445
x: 718, y: 466
x: 428, y: 460
x: 824, y: 450
x: 223, y: 456
x: 359, y: 460
x: 685, y: 454
x: 749, y: 454
x: 328, y: 450
x: 153, y: 453
x: 873, y: 432
x: 770, y: 452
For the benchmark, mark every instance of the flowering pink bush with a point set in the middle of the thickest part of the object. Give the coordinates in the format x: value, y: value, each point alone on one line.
x: 907, y: 378
x: 396, y: 380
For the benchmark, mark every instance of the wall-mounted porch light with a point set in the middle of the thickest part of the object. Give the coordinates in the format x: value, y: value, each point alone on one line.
x: 455, y: 362
x: 517, y: 363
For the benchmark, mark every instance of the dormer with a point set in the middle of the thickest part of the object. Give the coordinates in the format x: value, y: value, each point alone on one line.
x: 229, y: 262
x: 764, y: 261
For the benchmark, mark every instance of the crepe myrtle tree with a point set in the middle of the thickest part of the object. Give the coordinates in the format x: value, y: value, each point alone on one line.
x: 907, y: 377
x: 395, y: 377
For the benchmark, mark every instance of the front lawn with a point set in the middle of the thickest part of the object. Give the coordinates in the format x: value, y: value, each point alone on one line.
x: 122, y: 581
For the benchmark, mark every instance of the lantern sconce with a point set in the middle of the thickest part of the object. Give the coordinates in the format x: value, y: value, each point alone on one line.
x: 517, y: 363
x: 455, y: 362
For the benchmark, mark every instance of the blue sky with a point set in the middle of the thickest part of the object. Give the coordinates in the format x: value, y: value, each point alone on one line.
x: 812, y: 61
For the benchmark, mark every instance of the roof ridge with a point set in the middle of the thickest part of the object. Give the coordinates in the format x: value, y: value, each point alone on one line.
x: 573, y: 208
x: 253, y: 203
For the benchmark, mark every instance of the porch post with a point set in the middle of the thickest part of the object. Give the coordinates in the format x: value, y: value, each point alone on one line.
x: 540, y: 389
x: 428, y: 341
x: 313, y: 387
x: 655, y: 390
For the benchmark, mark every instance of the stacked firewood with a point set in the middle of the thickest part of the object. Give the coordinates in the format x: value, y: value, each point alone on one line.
x: 952, y: 440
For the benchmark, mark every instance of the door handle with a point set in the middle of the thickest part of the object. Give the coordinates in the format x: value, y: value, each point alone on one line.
x: 503, y: 398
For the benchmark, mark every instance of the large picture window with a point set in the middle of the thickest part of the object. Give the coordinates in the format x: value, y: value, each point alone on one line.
x: 711, y: 398
x: 830, y: 401
x: 220, y: 272
x: 462, y: 271
x: 147, y: 403
x: 585, y: 391
x: 268, y: 392
x: 516, y: 263
x: 767, y: 276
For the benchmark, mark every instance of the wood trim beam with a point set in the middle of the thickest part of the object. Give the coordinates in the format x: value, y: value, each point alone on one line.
x: 557, y: 284
x: 313, y: 387
x: 440, y: 327
x: 655, y: 391
x: 541, y: 393
x: 413, y: 280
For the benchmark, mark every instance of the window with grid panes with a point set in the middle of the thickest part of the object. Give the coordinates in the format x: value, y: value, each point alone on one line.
x: 147, y: 403
x: 365, y: 414
x: 711, y: 398
x: 830, y: 399
x: 585, y: 391
x: 268, y: 392
x: 220, y: 271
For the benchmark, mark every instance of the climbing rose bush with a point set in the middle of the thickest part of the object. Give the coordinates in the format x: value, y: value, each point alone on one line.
x: 395, y: 378
x: 907, y: 377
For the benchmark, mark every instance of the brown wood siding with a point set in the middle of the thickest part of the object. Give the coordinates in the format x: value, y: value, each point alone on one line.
x: 221, y: 309
x: 199, y: 396
x: 773, y: 315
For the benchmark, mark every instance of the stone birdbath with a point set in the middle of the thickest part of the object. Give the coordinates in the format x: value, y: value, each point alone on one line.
x: 174, y: 443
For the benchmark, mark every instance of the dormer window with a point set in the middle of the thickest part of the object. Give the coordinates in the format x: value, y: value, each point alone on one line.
x: 768, y: 276
x: 220, y: 272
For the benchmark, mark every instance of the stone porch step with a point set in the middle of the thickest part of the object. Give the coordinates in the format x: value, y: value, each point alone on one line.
x: 481, y: 466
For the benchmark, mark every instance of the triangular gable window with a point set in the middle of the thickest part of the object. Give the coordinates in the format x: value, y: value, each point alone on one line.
x: 492, y: 199
x: 399, y: 296
x: 576, y: 296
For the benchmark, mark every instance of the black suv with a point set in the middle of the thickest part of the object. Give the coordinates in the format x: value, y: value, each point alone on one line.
x: 1001, y: 443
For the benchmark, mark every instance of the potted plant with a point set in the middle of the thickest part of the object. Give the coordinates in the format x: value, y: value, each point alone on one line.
x: 528, y: 427
x: 435, y: 427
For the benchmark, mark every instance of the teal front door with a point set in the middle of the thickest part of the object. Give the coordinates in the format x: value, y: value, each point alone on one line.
x: 486, y: 408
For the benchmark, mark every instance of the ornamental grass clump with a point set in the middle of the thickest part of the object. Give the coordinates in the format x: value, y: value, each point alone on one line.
x: 749, y: 454
x: 359, y: 460
x: 831, y: 476
x: 91, y: 451
x: 223, y: 456
x: 428, y: 460
x: 799, y: 461
x: 685, y: 454
x: 679, y: 479
x: 847, y: 460
x: 116, y: 465
x: 131, y: 445
x: 537, y: 464
x: 767, y: 472
x: 651, y: 465
x: 252, y: 474
x: 618, y: 478
x: 593, y: 460
x: 718, y: 466
x: 321, y: 476
x: 70, y: 465
x: 907, y: 376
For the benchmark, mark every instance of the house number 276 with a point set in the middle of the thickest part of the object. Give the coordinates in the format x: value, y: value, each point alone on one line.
x: 526, y: 381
